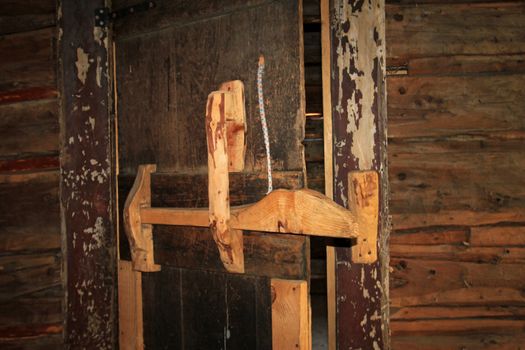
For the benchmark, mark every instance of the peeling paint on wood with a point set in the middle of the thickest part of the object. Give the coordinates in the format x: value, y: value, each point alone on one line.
x: 86, y: 180
x: 359, y: 141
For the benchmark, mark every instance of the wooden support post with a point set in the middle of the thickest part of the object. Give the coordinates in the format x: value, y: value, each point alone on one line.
x: 229, y: 241
x: 358, y: 108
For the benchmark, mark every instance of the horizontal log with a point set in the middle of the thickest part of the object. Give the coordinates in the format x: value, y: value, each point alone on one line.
x: 29, y: 331
x: 448, y: 29
x: 34, y: 164
x: 29, y: 128
x: 31, y: 310
x: 440, y: 312
x: 20, y: 16
x: 465, y: 326
x: 477, y: 340
x: 45, y: 342
x: 434, y: 282
x: 31, y: 60
x: 462, y: 252
x: 506, y: 236
x: 463, y: 64
x: 30, y: 94
x: 457, y: 218
x: 431, y: 236
x: 439, y: 106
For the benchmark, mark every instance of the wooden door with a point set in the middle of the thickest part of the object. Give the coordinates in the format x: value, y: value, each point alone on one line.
x: 168, y: 59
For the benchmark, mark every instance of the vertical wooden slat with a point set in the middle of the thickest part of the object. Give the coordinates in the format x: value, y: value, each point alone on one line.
x: 359, y: 143
x: 290, y: 315
x: 86, y: 178
x: 131, y: 330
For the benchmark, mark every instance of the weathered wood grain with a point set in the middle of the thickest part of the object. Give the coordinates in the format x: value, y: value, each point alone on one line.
x: 441, y: 312
x: 231, y: 310
x: 497, y: 236
x: 87, y: 179
x: 23, y: 16
x: 29, y: 128
x: 438, y: 29
x: 167, y: 75
x: 433, y: 282
x: 437, y: 106
x: 358, y: 106
x: 476, y: 340
x: 30, y: 62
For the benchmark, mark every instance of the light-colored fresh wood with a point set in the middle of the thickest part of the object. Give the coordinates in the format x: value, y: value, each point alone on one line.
x: 235, y: 125
x: 290, y: 315
x: 229, y: 242
x: 130, y: 307
x: 363, y: 200
x: 140, y: 234
x: 282, y: 211
x: 327, y: 99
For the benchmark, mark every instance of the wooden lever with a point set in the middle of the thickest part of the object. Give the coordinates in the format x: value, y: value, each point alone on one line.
x: 303, y: 212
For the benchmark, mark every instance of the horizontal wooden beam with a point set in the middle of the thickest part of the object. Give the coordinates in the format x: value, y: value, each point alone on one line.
x: 304, y: 212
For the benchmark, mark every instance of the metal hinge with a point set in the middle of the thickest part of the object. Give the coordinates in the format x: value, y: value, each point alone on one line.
x: 103, y: 15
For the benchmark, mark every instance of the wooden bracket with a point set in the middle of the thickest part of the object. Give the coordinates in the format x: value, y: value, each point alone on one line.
x: 303, y: 212
x: 363, y: 202
x: 140, y: 234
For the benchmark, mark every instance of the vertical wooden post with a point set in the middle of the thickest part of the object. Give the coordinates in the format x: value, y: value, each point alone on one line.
x: 87, y: 184
x: 358, y: 101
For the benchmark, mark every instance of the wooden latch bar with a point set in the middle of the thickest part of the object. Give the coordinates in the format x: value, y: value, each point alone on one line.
x: 304, y: 212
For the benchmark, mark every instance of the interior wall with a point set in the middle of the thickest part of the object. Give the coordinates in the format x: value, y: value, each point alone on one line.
x: 456, y: 109
x: 31, y: 290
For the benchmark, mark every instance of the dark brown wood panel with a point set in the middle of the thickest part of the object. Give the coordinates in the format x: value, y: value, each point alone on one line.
x: 30, y: 62
x: 437, y: 29
x: 439, y: 106
x: 164, y: 78
x: 206, y: 310
x: 29, y: 128
x: 22, y: 16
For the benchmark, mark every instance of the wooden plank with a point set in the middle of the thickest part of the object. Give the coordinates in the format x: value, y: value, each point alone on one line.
x: 179, y: 80
x: 46, y: 342
x: 87, y: 181
x: 30, y: 164
x: 40, y: 273
x: 290, y: 315
x: 236, y: 309
x: 20, y: 16
x: 467, y: 341
x: 499, y: 236
x: 424, y: 183
x: 440, y: 312
x: 438, y: 106
x: 34, y: 216
x: 303, y: 212
x: 444, y: 327
x: 449, y: 29
x: 431, y: 236
x: 29, y: 128
x: 30, y: 94
x: 131, y: 331
x: 327, y: 99
x: 457, y: 217
x: 494, y: 255
x: 435, y: 282
x: 30, y: 63
x: 359, y: 143
x: 264, y: 254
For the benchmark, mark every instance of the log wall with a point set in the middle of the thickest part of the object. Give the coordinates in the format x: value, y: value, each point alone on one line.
x: 31, y: 290
x: 456, y: 108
